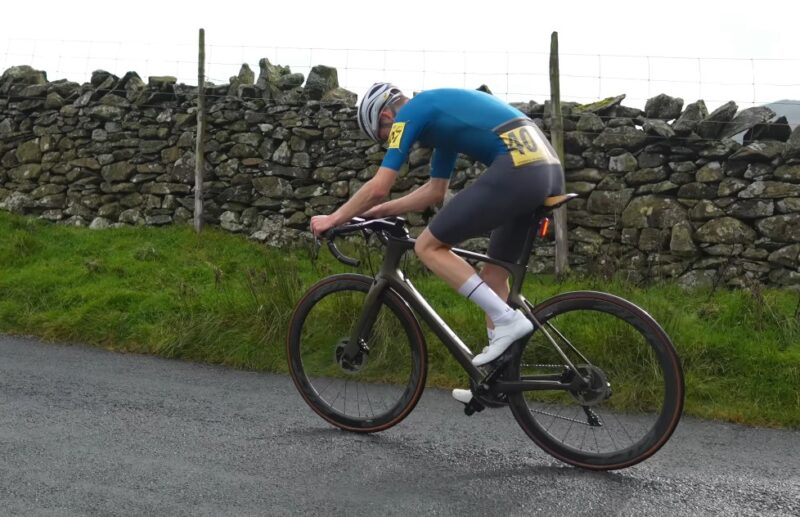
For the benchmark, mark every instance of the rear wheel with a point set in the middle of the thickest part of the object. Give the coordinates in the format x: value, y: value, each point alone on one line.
x: 383, y: 383
x: 634, y: 397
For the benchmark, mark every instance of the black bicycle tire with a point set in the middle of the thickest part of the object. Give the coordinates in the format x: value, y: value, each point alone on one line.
x: 668, y: 360
x: 400, y: 309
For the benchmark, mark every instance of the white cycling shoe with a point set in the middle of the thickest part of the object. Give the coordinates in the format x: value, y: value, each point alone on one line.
x: 463, y: 396
x: 504, y: 336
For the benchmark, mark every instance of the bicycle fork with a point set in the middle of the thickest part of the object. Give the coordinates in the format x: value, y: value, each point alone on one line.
x: 359, y: 334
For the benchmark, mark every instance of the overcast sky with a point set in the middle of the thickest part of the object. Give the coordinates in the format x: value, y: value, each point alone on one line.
x: 742, y: 51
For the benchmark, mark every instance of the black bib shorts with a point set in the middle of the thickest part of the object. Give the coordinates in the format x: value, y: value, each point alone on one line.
x: 501, y: 201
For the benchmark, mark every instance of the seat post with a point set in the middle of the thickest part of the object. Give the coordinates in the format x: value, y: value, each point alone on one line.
x: 550, y: 204
x: 528, y: 247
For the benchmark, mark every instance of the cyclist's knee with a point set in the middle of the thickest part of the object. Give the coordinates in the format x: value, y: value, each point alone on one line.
x: 427, y: 244
x: 423, y: 244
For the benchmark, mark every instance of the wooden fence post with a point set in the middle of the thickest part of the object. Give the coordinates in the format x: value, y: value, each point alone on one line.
x: 199, y: 155
x: 557, y: 139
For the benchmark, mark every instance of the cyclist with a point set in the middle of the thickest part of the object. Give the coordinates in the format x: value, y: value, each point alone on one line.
x: 523, y: 170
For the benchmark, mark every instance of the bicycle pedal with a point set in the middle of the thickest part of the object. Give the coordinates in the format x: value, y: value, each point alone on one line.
x: 473, y: 407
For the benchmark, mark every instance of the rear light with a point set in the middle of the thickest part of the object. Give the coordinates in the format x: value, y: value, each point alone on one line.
x: 544, y: 227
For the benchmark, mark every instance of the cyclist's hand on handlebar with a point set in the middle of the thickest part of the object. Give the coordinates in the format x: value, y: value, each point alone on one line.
x: 321, y: 223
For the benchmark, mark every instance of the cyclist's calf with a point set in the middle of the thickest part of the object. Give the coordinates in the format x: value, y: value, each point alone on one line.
x: 496, y: 277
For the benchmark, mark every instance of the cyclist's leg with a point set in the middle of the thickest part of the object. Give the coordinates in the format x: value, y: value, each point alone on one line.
x: 459, y: 275
x: 506, y: 244
x: 469, y: 214
x: 496, y: 278
x: 505, y: 204
x: 503, y: 198
x: 507, y: 240
x: 437, y: 257
x: 474, y: 211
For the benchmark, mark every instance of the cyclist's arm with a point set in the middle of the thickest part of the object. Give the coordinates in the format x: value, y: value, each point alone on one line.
x: 442, y: 163
x: 370, y: 194
x: 431, y: 193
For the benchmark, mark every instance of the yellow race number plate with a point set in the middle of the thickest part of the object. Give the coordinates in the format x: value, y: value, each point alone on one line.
x: 521, y: 144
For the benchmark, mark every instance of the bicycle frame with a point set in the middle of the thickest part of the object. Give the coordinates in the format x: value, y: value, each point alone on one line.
x: 385, y: 332
x: 391, y: 277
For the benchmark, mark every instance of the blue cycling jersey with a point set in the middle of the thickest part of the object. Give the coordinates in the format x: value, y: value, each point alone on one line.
x: 451, y: 121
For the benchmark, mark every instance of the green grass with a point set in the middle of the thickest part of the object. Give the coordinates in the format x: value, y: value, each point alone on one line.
x: 219, y: 298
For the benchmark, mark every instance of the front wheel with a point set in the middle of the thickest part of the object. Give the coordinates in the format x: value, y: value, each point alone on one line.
x: 634, y: 397
x: 385, y: 380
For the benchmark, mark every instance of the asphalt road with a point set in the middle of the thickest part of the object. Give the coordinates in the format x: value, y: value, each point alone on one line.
x: 89, y: 432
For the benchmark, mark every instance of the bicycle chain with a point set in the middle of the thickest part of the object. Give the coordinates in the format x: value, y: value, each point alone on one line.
x: 554, y: 366
x: 559, y: 416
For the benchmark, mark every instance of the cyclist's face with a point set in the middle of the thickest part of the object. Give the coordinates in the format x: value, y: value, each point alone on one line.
x: 386, y: 119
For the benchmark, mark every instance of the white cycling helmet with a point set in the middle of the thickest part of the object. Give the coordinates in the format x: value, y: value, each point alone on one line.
x: 376, y: 99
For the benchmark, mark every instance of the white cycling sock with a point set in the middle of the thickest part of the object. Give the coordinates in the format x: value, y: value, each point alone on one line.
x: 476, y: 290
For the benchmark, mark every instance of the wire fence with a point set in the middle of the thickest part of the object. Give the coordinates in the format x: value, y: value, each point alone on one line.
x: 511, y: 75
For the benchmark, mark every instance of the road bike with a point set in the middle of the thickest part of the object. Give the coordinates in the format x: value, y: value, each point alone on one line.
x: 598, y: 384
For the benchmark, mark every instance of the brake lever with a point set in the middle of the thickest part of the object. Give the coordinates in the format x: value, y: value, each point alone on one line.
x: 315, y: 246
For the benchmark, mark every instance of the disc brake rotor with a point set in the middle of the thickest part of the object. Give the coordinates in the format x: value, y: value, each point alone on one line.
x: 357, y: 363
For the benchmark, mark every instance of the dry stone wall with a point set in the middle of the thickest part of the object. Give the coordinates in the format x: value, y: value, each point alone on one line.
x: 665, y: 192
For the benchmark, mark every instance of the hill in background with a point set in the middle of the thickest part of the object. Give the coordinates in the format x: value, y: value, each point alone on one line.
x: 787, y: 108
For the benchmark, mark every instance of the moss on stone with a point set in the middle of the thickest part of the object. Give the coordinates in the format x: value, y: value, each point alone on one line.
x: 598, y: 106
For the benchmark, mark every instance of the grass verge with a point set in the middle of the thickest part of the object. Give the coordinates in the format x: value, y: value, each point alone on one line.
x: 219, y: 298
